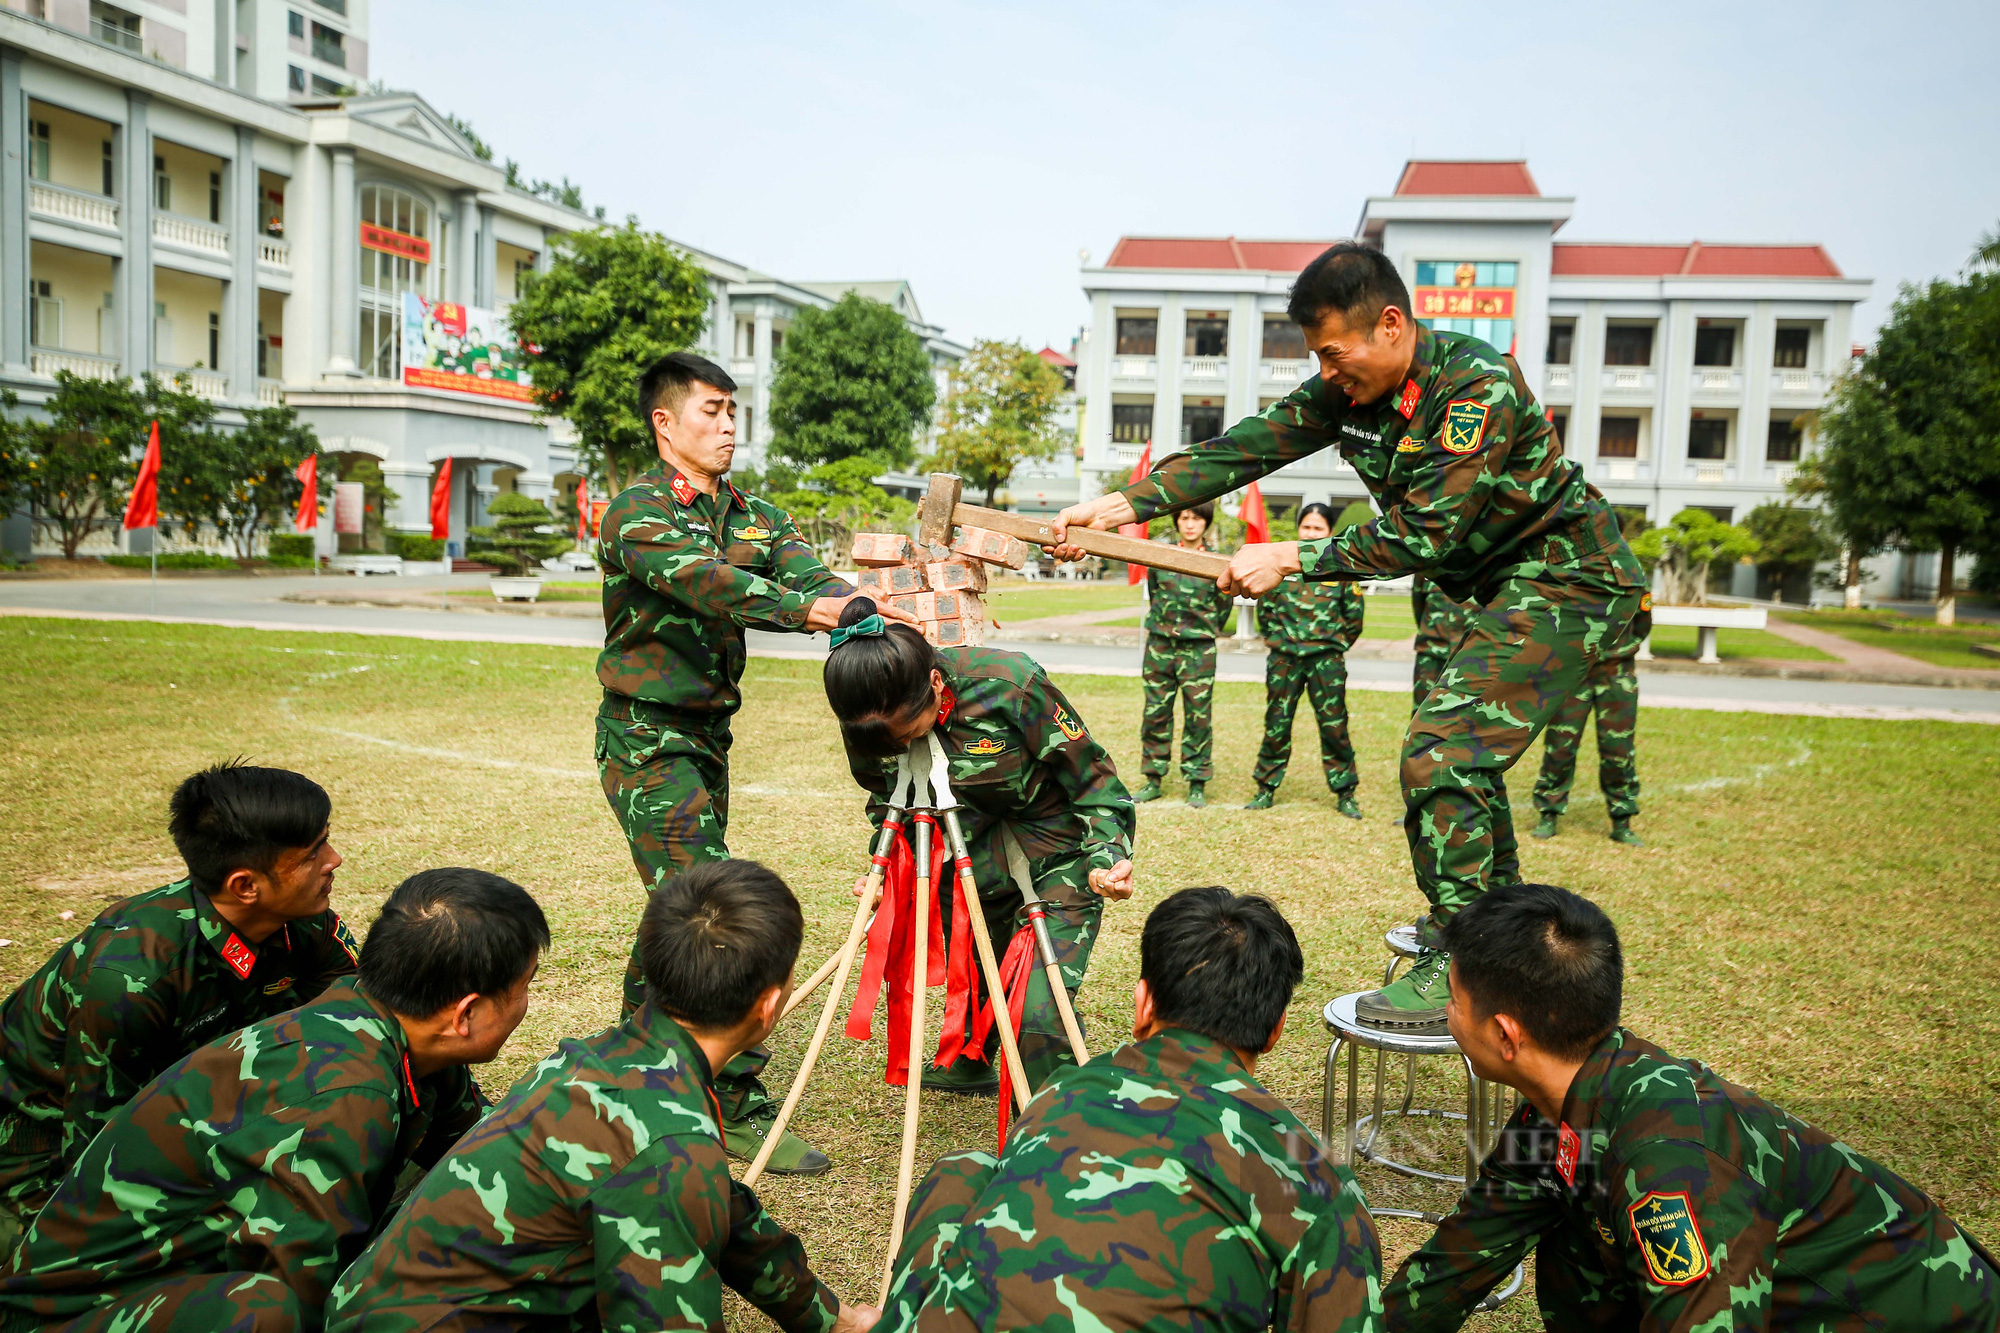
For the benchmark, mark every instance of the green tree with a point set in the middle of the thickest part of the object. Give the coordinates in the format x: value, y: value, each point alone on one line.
x: 832, y: 502
x: 852, y: 380
x: 196, y: 465
x: 82, y: 459
x: 1911, y: 449
x: 258, y: 467
x: 1685, y: 548
x: 615, y: 300
x: 1000, y: 412
x: 521, y: 536
x: 1790, y: 541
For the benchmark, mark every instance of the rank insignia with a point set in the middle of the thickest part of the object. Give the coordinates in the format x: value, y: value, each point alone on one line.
x: 1070, y: 726
x: 1410, y: 446
x: 237, y: 954
x: 753, y: 533
x: 1408, y: 404
x: 1668, y: 1237
x: 345, y: 938
x: 1463, y: 422
x: 1604, y: 1234
x: 1568, y: 1148
x: 985, y: 745
x: 683, y: 491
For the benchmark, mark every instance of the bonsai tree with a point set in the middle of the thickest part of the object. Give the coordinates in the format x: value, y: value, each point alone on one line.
x: 1684, y: 549
x: 521, y: 536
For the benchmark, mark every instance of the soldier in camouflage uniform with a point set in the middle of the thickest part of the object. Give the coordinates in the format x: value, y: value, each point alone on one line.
x: 597, y: 1192
x: 1656, y: 1194
x: 232, y: 1191
x: 1023, y: 762
x: 1440, y: 624
x: 1610, y: 690
x: 689, y: 562
x: 1160, y: 1185
x: 1308, y: 627
x: 1474, y: 492
x: 248, y: 934
x: 1184, y: 616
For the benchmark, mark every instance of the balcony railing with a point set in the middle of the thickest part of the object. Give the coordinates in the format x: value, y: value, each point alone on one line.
x: 331, y: 52
x: 1214, y: 369
x: 272, y: 251
x: 1619, y: 469
x: 113, y: 35
x: 1797, y: 382
x: 1715, y: 379
x: 1561, y: 377
x: 1710, y: 474
x: 1287, y: 372
x: 743, y: 368
x: 1782, y: 473
x: 1134, y: 367
x: 191, y: 234
x: 202, y: 382
x: 59, y: 201
x: 1127, y: 454
x: 1629, y: 378
x: 46, y: 361
x: 270, y: 393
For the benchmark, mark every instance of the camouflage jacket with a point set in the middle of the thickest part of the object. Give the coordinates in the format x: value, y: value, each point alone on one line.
x: 684, y: 574
x: 595, y: 1194
x: 1717, y: 1209
x: 1440, y: 620
x: 274, y: 1150
x: 1186, y: 606
x: 1158, y: 1186
x: 1020, y: 753
x: 1468, y: 473
x: 1310, y: 617
x: 152, y: 978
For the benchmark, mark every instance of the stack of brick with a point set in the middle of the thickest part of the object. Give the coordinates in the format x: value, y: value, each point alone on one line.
x: 939, y: 586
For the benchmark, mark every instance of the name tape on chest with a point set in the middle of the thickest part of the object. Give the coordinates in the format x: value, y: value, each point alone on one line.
x: 1669, y: 1239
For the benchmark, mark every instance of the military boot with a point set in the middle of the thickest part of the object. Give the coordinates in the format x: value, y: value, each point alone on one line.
x: 1149, y: 790
x: 1414, y: 1002
x: 965, y: 1075
x: 1546, y: 828
x: 1196, y: 797
x: 1621, y: 831
x: 1265, y: 798
x: 1345, y: 803
x: 794, y: 1157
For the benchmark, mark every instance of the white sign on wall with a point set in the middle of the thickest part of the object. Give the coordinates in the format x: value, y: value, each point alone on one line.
x: 347, y: 506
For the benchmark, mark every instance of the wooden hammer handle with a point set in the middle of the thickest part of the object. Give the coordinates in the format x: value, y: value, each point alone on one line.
x: 1111, y: 545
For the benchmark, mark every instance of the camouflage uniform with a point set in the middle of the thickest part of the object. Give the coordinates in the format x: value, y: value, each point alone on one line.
x: 1440, y: 623
x: 1309, y: 627
x: 1474, y: 491
x: 1184, y: 617
x: 153, y: 977
x: 1021, y: 759
x: 1158, y: 1187
x: 1611, y: 689
x: 684, y: 574
x: 596, y: 1193
x: 1671, y: 1199
x: 272, y: 1152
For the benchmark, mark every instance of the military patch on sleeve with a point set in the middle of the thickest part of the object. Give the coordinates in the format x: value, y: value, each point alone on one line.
x: 1645, y: 601
x: 984, y: 745
x: 1070, y: 726
x: 1669, y: 1239
x: 1464, y: 420
x: 345, y: 938
x: 237, y: 954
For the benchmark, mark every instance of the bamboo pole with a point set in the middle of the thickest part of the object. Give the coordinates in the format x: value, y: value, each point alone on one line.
x: 919, y: 970
x: 1010, y: 1050
x: 802, y: 993
x: 1017, y: 865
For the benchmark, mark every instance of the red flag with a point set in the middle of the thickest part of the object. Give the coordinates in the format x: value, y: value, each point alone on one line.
x: 1256, y: 524
x: 308, y: 516
x: 1134, y: 573
x: 143, y: 509
x: 582, y: 510
x: 441, y: 504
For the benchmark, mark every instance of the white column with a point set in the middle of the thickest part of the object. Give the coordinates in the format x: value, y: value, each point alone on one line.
x: 344, y: 294
x: 239, y: 320
x: 135, y: 270
x: 1167, y: 391
x: 1673, y: 354
x: 488, y: 286
x: 412, y: 484
x: 1246, y: 354
x: 13, y: 216
x: 464, y: 274
x: 760, y: 397
x: 1586, y: 358
x: 1753, y: 422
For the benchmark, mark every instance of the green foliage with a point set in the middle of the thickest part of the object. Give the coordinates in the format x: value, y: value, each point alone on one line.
x: 1686, y: 547
x: 376, y: 497
x: 174, y: 560
x: 1356, y: 513
x: 16, y: 455
x: 1000, y: 413
x: 519, y: 538
x: 851, y: 381
x: 615, y: 300
x: 1790, y: 540
x: 414, y: 546
x: 285, y: 546
x: 832, y: 502
x: 195, y: 469
x: 249, y: 485
x: 81, y: 460
x: 480, y: 149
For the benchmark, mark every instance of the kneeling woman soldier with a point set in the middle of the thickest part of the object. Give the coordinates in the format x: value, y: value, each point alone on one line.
x: 1020, y: 759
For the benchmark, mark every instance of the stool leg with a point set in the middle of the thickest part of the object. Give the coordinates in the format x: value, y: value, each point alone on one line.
x: 1473, y: 1102
x: 1375, y: 1122
x: 1409, y: 1083
x: 1326, y: 1094
x: 1353, y: 1097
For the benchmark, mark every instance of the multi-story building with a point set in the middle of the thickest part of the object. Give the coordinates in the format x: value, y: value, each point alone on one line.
x: 198, y: 194
x: 1680, y: 375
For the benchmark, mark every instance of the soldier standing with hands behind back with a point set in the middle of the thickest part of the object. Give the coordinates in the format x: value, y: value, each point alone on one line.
x: 1185, y: 615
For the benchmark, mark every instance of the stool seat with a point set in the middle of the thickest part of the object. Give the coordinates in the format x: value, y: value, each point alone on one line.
x: 1340, y: 1020
x: 1402, y: 941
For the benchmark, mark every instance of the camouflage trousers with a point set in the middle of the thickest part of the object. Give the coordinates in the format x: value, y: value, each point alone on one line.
x: 30, y: 1168
x: 1323, y: 676
x: 1186, y: 667
x: 197, y: 1303
x: 1523, y: 653
x: 1432, y: 654
x: 1610, y: 689
x: 667, y: 779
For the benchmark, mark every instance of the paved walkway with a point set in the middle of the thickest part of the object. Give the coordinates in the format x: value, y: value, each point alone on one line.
x: 1880, y: 663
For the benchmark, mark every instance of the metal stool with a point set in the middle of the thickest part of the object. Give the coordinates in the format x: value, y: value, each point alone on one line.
x: 1403, y: 947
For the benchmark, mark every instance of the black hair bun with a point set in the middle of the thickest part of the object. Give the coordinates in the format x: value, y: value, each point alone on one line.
x: 857, y: 610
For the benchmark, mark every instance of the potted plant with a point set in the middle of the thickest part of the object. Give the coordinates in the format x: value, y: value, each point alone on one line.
x: 521, y: 535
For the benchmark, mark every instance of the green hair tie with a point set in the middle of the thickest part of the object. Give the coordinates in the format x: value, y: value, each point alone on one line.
x: 868, y: 627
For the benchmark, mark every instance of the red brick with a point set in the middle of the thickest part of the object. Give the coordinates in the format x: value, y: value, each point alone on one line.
x: 956, y: 575
x: 995, y: 548
x: 882, y: 549
x: 893, y: 581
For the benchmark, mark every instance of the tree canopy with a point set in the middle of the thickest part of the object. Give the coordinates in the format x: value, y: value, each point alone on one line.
x: 1000, y: 413
x: 614, y: 300
x: 852, y: 381
x: 1790, y: 541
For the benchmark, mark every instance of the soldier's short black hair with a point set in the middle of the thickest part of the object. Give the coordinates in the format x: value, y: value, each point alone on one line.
x: 1205, y: 511
x: 668, y: 382
x: 1221, y: 963
x: 448, y: 933
x: 1325, y: 511
x: 236, y: 816
x: 876, y: 683
x: 715, y: 937
x: 1351, y: 278
x: 1547, y: 958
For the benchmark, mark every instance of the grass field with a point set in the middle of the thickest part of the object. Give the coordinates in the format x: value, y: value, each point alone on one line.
x: 1814, y: 915
x: 1923, y: 640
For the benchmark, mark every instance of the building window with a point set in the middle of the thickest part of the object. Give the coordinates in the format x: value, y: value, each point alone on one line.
x: 1200, y: 422
x: 110, y: 164
x: 1559, y: 423
x: 295, y: 79
x: 1207, y: 335
x: 1720, y: 513
x: 1628, y: 345
x: 38, y: 149
x: 335, y: 6
x: 330, y: 45
x: 1562, y: 341
x: 1618, y: 437
x: 385, y: 276
x: 215, y: 196
x: 328, y: 87
x: 1789, y: 351
x: 214, y: 341
x: 746, y: 339
x: 163, y: 186
x: 748, y: 429
x: 114, y: 26
x: 1131, y: 423
x: 1138, y: 337
x: 44, y: 318
x: 1714, y: 344
x: 1284, y: 341
x: 163, y: 335
x: 1708, y: 439
x: 295, y: 24
x: 1783, y: 443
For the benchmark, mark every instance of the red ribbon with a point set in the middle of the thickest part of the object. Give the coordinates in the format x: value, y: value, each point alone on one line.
x: 1015, y: 970
x: 959, y: 984
x: 891, y: 950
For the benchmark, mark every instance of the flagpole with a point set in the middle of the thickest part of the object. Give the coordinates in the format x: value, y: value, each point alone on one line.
x: 153, y: 582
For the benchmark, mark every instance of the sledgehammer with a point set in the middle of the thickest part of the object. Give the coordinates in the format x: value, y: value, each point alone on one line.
x: 940, y: 511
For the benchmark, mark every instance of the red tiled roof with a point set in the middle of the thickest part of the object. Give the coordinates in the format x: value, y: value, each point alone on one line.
x: 1055, y: 358
x: 1698, y: 258
x: 1478, y: 178
x: 1224, y: 252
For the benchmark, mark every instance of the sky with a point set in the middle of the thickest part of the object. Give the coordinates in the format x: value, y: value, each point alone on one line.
x: 977, y: 149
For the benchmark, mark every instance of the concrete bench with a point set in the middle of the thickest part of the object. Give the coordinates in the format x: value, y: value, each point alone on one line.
x: 363, y: 565
x: 1706, y: 620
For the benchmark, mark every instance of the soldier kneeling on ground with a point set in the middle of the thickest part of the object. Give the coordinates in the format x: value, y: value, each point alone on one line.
x: 598, y: 1193
x: 235, y: 1187
x: 1655, y: 1194
x: 1159, y: 1185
